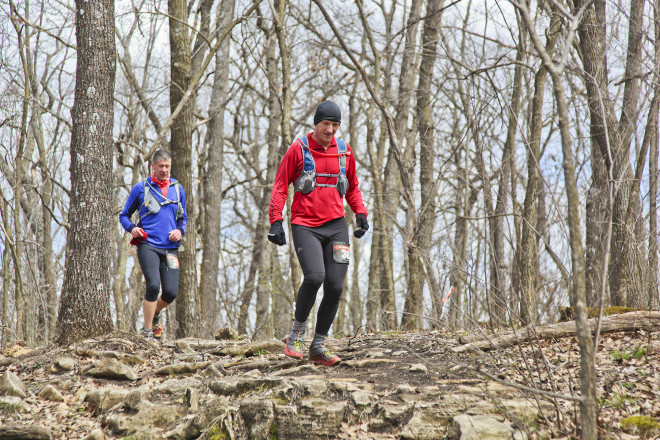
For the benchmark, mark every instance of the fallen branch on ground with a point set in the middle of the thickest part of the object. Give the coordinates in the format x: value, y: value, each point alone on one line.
x: 644, y: 320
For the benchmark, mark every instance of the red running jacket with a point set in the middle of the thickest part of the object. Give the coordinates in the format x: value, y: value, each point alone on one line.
x: 323, y: 203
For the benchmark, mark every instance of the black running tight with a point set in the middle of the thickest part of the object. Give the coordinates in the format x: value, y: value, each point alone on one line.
x: 323, y: 253
x: 159, y: 266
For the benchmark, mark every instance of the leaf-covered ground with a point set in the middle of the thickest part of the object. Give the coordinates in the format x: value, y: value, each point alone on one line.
x: 628, y: 369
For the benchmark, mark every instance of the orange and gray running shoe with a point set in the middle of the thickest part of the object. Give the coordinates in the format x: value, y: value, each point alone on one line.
x: 293, y: 348
x: 324, y: 358
x: 158, y: 331
x: 318, y: 354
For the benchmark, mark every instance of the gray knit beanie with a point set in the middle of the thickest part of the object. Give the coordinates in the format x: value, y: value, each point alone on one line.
x: 327, y: 111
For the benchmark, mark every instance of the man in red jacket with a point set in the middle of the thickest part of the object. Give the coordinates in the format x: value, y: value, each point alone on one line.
x: 322, y: 170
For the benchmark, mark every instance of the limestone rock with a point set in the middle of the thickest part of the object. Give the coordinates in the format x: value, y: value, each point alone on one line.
x: 212, y: 372
x: 307, y: 368
x: 145, y: 421
x: 182, y: 368
x: 227, y: 333
x: 404, y: 388
x: 258, y: 415
x: 101, y: 400
x: 191, y: 400
x: 97, y: 434
x: 183, y: 346
x: 429, y: 422
x: 481, y: 427
x: 111, y: 369
x: 12, y: 404
x: 133, y: 400
x: 311, y: 387
x: 418, y: 368
x: 390, y: 414
x: 251, y: 349
x: 173, y: 386
x: 11, y: 385
x: 526, y: 411
x: 51, y: 393
x: 363, y: 399
x: 310, y: 419
x: 237, y: 385
x: 15, y: 432
x: 126, y: 358
x: 63, y: 364
x: 202, y: 420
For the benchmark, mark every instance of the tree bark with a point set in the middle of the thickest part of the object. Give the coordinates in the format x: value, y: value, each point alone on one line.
x: 261, y: 270
x: 527, y: 248
x: 427, y: 149
x: 377, y: 296
x: 653, y: 292
x: 6, y: 279
x: 412, y: 309
x: 614, y: 138
x: 85, y: 301
x: 498, y: 291
x: 212, y: 179
x: 589, y: 397
x: 464, y: 199
x: 187, y: 302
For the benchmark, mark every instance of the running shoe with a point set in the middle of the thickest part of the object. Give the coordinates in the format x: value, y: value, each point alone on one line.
x: 147, y: 334
x: 293, y: 348
x: 324, y: 358
x: 157, y: 331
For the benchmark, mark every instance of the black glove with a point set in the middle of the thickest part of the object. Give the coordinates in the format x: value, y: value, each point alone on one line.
x: 362, y: 225
x: 276, y: 233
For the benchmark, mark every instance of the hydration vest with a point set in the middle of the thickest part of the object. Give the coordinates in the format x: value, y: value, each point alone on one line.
x: 153, y: 205
x: 307, y: 180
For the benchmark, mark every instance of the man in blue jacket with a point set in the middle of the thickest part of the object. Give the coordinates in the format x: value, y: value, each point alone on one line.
x: 161, y: 206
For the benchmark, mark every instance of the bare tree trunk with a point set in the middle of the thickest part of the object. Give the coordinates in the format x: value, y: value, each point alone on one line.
x: 464, y: 200
x: 355, y: 305
x: 282, y: 298
x: 187, y: 307
x: 45, y: 290
x: 6, y: 278
x: 497, y: 295
x: 351, y: 301
x: 17, y: 249
x: 527, y: 248
x: 212, y: 179
x: 260, y: 272
x: 122, y: 295
x: 653, y: 283
x: 614, y: 138
x: 381, y: 300
x: 654, y: 293
x: 589, y: 396
x: 595, y: 219
x: 412, y: 310
x: 286, y: 134
x: 427, y: 148
x: 85, y: 302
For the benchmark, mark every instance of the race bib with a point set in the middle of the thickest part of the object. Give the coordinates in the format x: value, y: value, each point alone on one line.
x: 172, y: 261
x: 341, y: 252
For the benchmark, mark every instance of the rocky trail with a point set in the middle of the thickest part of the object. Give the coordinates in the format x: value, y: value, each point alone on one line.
x: 422, y: 385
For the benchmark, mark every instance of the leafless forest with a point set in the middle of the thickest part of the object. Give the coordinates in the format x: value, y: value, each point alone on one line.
x: 507, y: 152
